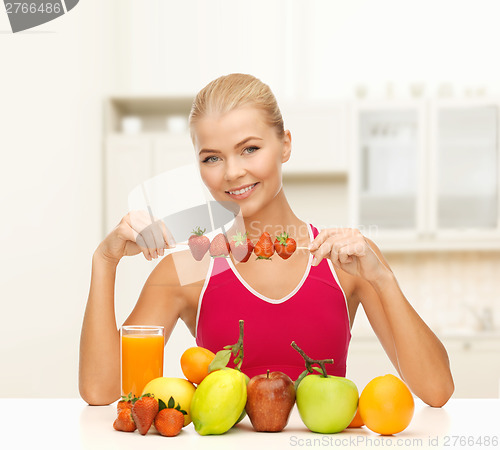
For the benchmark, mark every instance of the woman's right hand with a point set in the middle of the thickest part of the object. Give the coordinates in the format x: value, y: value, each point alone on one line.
x: 134, y: 234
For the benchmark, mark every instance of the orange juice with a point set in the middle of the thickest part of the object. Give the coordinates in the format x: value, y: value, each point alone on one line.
x: 142, y: 361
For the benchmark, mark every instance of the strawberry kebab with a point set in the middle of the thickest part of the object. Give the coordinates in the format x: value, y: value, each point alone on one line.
x: 240, y: 246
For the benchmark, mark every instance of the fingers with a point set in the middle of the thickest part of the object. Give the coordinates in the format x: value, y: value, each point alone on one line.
x: 327, y: 233
x: 151, y: 237
x: 168, y: 237
x: 127, y: 233
x: 339, y: 245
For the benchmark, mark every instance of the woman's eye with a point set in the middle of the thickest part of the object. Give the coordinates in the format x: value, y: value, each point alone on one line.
x: 251, y: 149
x: 210, y: 159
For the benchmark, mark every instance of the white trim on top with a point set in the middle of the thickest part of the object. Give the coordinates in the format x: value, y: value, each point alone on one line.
x: 286, y: 297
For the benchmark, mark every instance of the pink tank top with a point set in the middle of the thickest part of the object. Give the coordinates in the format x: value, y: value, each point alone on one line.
x: 314, y: 315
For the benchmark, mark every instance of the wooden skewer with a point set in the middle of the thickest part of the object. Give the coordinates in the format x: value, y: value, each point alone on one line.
x: 298, y: 248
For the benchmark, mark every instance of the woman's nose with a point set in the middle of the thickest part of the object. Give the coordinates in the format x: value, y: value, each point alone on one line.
x: 234, y: 169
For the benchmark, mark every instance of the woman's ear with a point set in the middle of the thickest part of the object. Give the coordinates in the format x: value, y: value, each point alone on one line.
x: 287, y: 146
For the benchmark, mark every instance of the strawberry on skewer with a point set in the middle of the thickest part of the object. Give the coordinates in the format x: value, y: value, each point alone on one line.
x: 198, y: 243
x: 264, y: 248
x: 284, y: 245
x: 219, y: 246
x: 241, y: 247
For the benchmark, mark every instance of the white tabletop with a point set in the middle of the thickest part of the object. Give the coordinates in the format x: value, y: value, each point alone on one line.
x: 72, y: 424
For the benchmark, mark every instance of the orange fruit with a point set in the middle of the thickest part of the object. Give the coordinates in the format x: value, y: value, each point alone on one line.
x: 195, y: 362
x: 386, y: 405
x: 357, y: 421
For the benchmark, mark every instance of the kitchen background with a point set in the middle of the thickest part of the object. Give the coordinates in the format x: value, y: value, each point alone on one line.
x: 393, y: 108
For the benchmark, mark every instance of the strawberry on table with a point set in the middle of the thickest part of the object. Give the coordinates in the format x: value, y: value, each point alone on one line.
x: 264, y: 248
x: 125, y: 402
x: 198, y: 243
x: 241, y: 247
x: 284, y: 245
x: 219, y: 246
x: 124, y: 421
x: 170, y: 420
x: 144, y: 411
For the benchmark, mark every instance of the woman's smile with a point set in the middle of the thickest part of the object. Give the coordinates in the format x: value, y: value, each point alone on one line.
x: 243, y: 192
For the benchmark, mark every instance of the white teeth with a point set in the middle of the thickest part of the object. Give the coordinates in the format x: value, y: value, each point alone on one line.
x: 242, y: 190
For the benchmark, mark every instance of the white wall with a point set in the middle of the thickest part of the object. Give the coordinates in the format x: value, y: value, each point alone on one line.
x: 52, y: 80
x: 314, y: 48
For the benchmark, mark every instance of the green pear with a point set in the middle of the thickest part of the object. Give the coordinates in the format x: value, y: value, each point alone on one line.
x: 219, y: 401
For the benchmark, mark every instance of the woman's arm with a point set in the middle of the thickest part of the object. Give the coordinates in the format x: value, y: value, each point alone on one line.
x: 414, y: 349
x: 99, y: 370
x: 160, y: 303
x: 422, y: 360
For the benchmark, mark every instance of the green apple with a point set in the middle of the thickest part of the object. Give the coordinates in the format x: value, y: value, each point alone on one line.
x: 327, y: 404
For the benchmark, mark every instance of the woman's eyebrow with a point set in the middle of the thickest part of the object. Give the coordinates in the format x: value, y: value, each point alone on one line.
x: 207, y: 150
x: 244, y: 141
x: 239, y: 144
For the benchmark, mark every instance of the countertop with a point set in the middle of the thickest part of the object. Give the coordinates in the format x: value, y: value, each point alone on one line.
x: 72, y: 424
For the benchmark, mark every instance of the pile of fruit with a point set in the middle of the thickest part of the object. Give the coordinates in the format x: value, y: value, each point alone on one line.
x: 223, y: 396
x: 140, y: 413
x: 240, y: 246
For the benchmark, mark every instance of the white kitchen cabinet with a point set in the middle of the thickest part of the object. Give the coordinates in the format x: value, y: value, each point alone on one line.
x: 475, y: 365
x: 319, y: 133
x: 464, y: 168
x: 170, y: 152
x: 474, y: 362
x: 425, y: 174
x: 388, y: 167
x: 133, y: 159
x: 128, y: 163
x: 157, y: 142
x: 366, y: 360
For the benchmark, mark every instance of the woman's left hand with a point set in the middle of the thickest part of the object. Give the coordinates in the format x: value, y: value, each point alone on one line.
x: 348, y: 250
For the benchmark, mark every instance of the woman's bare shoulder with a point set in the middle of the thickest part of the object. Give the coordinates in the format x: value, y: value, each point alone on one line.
x: 179, y: 269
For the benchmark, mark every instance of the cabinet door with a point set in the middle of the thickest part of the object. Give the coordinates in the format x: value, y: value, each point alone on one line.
x: 172, y: 151
x: 475, y: 366
x: 465, y: 167
x: 388, y: 168
x: 318, y: 139
x: 128, y: 163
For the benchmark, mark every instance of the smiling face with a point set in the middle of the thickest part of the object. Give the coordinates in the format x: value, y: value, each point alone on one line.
x: 240, y: 157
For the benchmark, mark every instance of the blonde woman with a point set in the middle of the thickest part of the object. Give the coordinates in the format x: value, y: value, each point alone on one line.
x: 312, y: 297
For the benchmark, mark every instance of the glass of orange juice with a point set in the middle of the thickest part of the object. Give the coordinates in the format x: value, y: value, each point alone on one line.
x: 141, y: 354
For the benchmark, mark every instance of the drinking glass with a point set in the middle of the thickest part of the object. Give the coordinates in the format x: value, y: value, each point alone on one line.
x: 141, y: 356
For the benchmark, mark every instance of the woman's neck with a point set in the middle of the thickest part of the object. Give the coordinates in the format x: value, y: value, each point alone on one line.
x: 275, y: 218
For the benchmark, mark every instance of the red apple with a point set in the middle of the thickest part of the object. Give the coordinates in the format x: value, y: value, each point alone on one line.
x: 270, y: 399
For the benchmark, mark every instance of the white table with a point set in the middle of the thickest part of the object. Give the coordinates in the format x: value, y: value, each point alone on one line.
x: 72, y: 424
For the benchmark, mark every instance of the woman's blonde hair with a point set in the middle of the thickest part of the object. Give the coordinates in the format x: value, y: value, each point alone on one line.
x: 232, y: 91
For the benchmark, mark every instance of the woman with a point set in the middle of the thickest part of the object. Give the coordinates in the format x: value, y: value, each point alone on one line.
x: 312, y: 297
